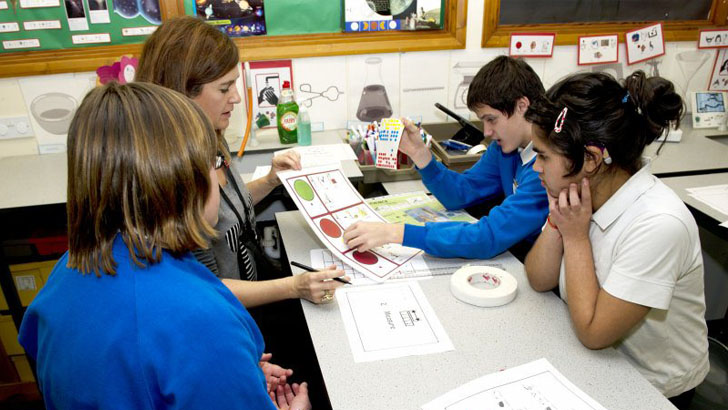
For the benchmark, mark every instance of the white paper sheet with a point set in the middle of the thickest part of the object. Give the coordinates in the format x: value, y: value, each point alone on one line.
x: 715, y: 196
x: 422, y: 266
x: 330, y: 204
x: 532, y: 386
x: 389, y: 321
x: 319, y: 155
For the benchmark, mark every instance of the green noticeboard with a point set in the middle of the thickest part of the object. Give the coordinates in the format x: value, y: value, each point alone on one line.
x: 27, y: 25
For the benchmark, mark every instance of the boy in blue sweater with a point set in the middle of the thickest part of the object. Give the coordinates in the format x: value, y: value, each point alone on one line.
x: 500, y: 95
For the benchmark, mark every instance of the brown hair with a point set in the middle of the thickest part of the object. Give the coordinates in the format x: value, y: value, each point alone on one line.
x: 184, y: 54
x: 139, y: 157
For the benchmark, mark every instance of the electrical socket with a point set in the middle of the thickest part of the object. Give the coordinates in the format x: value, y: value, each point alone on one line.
x: 15, y: 127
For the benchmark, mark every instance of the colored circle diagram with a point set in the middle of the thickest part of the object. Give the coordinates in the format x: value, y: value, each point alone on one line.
x: 303, y: 189
x: 330, y: 228
x: 365, y: 258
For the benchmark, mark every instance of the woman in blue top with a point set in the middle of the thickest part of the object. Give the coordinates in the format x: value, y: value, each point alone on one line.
x: 128, y: 318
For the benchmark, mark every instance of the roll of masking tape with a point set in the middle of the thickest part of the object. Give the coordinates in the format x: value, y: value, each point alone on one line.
x: 483, y: 286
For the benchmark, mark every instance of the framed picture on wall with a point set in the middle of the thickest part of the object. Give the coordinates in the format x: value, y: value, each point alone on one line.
x: 532, y: 44
x: 598, y: 49
x: 719, y: 77
x: 644, y: 43
x: 268, y: 78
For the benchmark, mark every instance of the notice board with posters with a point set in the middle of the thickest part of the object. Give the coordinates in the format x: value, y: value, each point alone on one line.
x: 31, y: 25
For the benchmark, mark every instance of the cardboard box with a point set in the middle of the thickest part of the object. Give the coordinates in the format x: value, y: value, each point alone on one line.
x: 9, y: 336
x: 29, y: 278
x: 22, y: 366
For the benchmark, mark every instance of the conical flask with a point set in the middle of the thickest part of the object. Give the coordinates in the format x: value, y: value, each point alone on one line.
x: 374, y: 103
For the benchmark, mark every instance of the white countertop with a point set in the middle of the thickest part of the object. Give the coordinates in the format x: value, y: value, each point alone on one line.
x: 486, y: 340
x: 680, y: 184
x: 31, y: 180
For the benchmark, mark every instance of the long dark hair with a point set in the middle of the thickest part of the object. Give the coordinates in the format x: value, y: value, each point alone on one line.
x: 602, y: 112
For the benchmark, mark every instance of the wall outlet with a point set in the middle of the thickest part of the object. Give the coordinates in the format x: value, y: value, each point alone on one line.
x: 15, y: 127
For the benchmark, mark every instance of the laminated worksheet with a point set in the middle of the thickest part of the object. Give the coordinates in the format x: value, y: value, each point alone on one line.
x: 533, y: 386
x: 389, y: 321
x: 330, y: 204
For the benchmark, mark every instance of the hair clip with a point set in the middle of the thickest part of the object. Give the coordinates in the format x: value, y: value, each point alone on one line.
x: 559, y: 124
x: 625, y: 98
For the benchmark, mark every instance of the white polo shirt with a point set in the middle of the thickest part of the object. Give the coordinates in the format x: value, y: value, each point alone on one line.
x: 647, y: 251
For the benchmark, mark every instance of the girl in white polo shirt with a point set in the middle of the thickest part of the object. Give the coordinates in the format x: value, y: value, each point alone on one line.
x: 622, y: 247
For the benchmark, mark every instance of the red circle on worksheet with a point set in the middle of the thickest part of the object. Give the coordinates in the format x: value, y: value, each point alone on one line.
x: 330, y: 228
x: 366, y: 258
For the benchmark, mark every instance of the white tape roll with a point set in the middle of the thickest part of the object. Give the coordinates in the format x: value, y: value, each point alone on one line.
x: 483, y: 286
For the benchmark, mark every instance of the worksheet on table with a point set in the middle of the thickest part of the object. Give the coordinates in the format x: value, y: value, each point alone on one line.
x: 318, y: 155
x: 330, y: 204
x: 533, y: 386
x: 389, y: 321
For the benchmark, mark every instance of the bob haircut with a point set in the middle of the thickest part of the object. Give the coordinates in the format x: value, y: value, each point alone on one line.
x: 184, y: 54
x: 139, y: 157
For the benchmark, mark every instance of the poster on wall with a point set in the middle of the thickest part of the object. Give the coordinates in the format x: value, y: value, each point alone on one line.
x: 719, y: 77
x: 236, y: 18
x: 644, y: 43
x: 598, y: 49
x: 713, y: 39
x: 268, y: 78
x: 532, y: 44
x: 383, y: 15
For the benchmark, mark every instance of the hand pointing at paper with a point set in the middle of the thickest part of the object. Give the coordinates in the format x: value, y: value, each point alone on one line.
x: 367, y: 235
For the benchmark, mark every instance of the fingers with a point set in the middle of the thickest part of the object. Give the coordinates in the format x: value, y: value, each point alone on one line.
x: 574, y: 201
x: 288, y: 392
x: 266, y: 357
x: 586, y: 193
x: 281, y: 397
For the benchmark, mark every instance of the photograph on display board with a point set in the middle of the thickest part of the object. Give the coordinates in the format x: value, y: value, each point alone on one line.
x: 644, y: 43
x: 380, y: 15
x: 236, y: 18
x: 719, y: 77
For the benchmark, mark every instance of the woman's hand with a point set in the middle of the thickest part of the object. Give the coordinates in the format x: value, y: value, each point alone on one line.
x: 367, y: 235
x: 573, y: 212
x: 285, y: 161
x: 291, y: 397
x: 411, y: 144
x: 318, y: 287
x: 274, y: 375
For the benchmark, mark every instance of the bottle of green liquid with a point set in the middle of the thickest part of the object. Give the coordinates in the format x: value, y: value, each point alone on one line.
x: 287, y: 115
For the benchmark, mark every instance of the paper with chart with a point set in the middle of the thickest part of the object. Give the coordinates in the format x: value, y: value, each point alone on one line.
x: 330, y: 204
x: 532, y: 386
x: 387, y: 143
x: 421, y: 266
x: 416, y: 208
x: 389, y: 321
x: 318, y: 155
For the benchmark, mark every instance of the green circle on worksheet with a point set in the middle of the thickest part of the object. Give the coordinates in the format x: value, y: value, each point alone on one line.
x: 303, y: 189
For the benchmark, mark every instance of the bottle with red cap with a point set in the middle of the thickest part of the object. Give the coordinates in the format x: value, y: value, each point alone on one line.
x: 287, y: 113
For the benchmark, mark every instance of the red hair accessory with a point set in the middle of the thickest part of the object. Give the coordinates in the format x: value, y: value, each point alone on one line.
x: 560, y: 120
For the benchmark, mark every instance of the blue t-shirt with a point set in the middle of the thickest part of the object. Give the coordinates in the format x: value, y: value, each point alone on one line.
x: 169, y: 335
x: 520, y: 216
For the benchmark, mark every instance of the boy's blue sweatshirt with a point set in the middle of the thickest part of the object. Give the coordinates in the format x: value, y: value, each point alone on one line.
x: 520, y: 216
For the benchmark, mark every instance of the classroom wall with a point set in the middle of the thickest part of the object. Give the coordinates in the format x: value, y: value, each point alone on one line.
x: 413, y: 82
